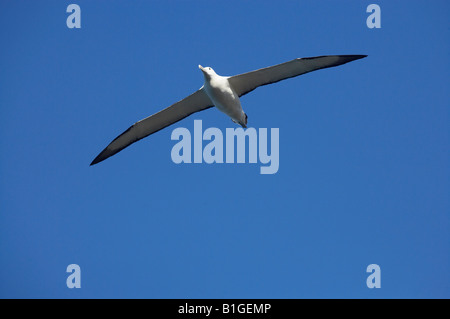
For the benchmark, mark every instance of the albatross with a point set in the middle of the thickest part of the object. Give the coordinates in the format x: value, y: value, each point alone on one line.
x: 223, y: 92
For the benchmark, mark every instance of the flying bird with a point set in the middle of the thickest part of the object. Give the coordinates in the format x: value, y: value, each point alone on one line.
x: 224, y: 93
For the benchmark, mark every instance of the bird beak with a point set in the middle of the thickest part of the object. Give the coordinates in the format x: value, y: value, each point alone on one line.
x: 200, y: 67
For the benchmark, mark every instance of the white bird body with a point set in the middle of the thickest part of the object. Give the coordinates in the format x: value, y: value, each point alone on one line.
x: 223, y: 96
x: 224, y: 93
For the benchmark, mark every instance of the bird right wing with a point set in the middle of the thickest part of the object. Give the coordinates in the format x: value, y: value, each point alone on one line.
x: 247, y: 82
x: 198, y: 101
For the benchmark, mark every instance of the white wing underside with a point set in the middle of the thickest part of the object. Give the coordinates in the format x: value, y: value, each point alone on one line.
x: 199, y: 100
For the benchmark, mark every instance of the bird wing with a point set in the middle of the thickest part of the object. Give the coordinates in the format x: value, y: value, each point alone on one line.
x: 195, y: 102
x: 247, y: 82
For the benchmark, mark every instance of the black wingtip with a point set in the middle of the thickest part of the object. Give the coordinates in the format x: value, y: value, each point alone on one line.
x: 354, y: 57
x: 95, y: 161
x: 100, y: 157
x: 351, y: 58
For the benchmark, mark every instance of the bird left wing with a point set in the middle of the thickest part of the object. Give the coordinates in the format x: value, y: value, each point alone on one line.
x: 247, y: 82
x: 195, y: 102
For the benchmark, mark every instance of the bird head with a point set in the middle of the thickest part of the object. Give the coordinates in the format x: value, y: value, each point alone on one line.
x: 207, y: 71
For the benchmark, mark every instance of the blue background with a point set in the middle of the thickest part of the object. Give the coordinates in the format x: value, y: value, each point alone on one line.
x: 364, y: 152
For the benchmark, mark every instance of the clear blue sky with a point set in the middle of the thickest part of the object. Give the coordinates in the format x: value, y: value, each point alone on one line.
x: 364, y: 152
